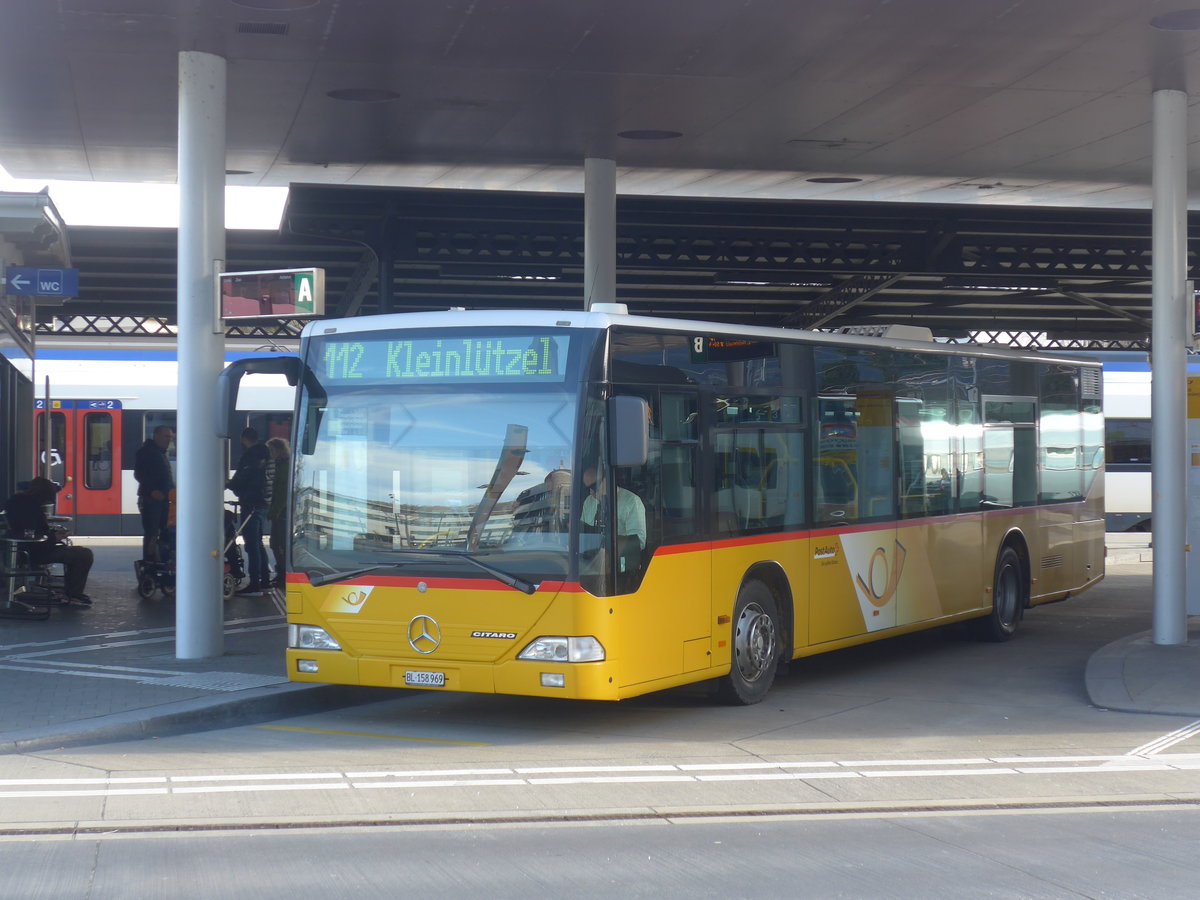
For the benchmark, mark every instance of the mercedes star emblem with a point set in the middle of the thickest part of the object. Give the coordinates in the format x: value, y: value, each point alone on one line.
x: 424, y: 635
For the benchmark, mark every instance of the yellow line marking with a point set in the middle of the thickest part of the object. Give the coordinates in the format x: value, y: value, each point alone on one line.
x: 367, y: 734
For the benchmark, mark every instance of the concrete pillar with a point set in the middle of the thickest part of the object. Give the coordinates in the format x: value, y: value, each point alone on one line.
x: 201, y: 474
x: 599, y: 231
x: 1168, y: 366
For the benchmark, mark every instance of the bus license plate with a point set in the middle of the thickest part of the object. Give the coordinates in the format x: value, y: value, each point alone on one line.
x: 425, y: 679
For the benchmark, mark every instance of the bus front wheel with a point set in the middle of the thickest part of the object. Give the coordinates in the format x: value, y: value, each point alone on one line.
x: 1010, y: 591
x: 755, y: 645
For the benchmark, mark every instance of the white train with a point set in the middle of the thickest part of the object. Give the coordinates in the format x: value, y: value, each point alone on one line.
x: 1127, y: 439
x: 105, y: 399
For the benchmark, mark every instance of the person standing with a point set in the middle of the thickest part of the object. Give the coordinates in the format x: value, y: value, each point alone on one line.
x: 152, y: 470
x: 277, y: 512
x: 252, y: 486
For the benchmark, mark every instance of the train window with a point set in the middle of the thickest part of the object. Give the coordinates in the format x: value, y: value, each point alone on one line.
x: 57, y: 457
x: 1127, y: 444
x: 97, y: 449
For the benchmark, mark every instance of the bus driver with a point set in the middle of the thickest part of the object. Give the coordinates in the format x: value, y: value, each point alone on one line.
x: 631, y: 512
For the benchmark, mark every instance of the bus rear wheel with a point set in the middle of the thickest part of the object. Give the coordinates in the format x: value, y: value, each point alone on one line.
x: 1010, y: 591
x: 755, y: 644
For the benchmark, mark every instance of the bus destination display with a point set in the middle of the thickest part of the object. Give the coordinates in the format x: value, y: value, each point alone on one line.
x: 498, y: 358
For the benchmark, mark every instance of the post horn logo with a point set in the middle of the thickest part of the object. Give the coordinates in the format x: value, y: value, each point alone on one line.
x: 424, y: 634
x: 878, y: 570
x: 348, y: 600
x: 356, y: 599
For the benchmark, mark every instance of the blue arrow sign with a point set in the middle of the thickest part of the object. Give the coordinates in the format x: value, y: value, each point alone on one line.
x: 34, y: 282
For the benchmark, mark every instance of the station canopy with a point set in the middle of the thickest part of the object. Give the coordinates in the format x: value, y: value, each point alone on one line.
x: 1068, y: 278
x: 747, y: 137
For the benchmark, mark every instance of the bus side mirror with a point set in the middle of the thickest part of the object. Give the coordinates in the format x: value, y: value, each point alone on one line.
x: 629, y: 431
x: 230, y: 380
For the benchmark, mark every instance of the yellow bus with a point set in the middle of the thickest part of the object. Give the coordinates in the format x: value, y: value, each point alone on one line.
x: 598, y: 505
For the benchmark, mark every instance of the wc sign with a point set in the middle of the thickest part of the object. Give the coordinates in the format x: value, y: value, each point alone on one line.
x: 35, y: 282
x: 275, y: 294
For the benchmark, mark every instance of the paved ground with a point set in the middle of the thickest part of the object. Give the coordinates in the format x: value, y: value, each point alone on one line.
x: 110, y: 673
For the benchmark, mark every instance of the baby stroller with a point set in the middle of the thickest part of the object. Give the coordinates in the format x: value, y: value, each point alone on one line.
x: 159, y: 574
x: 235, y: 571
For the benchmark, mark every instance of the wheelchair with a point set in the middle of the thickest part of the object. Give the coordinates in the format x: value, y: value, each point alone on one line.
x: 27, y: 590
x: 158, y: 574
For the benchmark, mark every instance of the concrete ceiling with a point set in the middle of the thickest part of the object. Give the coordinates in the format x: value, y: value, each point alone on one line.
x: 1043, y: 102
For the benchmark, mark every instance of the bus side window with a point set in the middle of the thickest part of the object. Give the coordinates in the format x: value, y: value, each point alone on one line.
x: 836, y: 463
x: 761, y: 460
x: 666, y: 484
x: 678, y: 414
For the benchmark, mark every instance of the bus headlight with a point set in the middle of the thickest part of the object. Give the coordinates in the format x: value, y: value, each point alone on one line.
x: 564, y: 649
x: 310, y: 637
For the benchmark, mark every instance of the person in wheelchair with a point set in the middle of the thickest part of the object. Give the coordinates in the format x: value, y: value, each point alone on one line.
x: 26, y: 515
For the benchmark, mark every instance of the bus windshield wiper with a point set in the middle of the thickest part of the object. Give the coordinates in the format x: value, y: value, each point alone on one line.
x: 331, y: 577
x: 501, y: 576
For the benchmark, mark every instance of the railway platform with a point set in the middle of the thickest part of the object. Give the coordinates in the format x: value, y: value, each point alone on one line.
x: 109, y: 673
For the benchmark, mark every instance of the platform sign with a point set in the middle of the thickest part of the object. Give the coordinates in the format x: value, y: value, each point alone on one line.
x: 35, y: 282
x: 275, y: 294
x: 1190, y: 292
x: 1193, y: 489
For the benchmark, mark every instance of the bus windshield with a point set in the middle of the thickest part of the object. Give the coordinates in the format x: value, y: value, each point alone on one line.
x: 397, y: 468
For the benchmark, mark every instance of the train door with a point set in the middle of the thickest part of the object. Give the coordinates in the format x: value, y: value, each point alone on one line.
x: 84, y: 457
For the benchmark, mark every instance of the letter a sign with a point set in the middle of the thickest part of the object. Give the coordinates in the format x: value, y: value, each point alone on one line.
x: 305, y: 294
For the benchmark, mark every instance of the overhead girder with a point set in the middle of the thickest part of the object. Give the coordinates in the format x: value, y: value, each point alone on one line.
x: 1059, y: 271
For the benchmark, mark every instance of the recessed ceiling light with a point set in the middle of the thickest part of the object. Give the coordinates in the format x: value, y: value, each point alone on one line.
x: 277, y: 29
x: 1179, y: 20
x: 833, y: 143
x: 833, y: 179
x: 363, y: 95
x: 276, y: 5
x: 649, y: 134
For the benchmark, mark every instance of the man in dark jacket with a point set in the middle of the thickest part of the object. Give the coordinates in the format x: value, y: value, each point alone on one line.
x: 155, y: 481
x: 251, y: 484
x: 26, y: 514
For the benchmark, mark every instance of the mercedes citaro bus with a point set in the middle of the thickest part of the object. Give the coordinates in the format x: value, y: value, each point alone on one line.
x: 591, y: 504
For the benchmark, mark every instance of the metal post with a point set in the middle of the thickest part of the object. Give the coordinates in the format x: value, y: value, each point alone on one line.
x: 47, y: 436
x: 1168, y: 367
x: 200, y: 478
x: 599, y: 231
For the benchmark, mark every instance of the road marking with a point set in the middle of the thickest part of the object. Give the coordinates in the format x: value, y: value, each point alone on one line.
x: 1151, y: 748
x: 46, y: 658
x: 368, y: 734
x: 221, y: 682
x: 111, y: 644
x: 102, y: 638
x: 548, y: 776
